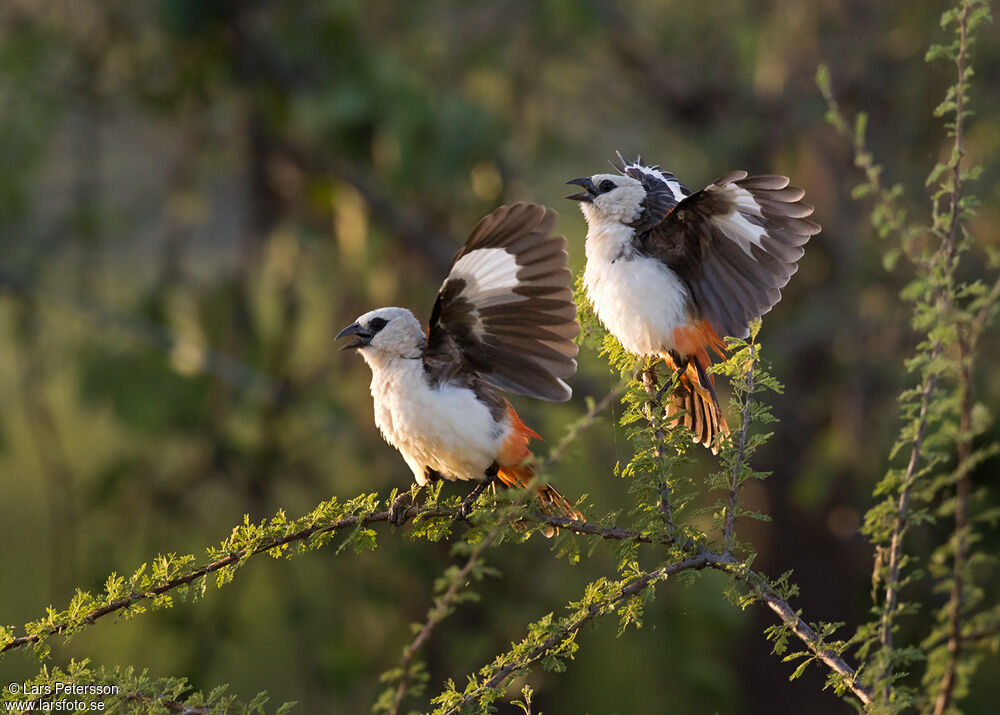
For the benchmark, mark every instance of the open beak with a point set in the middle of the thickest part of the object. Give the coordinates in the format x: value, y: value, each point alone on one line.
x: 362, y: 340
x: 588, y: 195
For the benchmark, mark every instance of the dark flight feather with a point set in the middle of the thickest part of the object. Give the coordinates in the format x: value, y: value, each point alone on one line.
x: 505, y: 312
x: 735, y: 244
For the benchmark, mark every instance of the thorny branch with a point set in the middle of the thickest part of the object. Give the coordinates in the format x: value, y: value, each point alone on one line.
x: 442, y: 605
x: 946, y: 257
x: 301, y: 535
x: 721, y: 562
x: 899, y: 528
x: 727, y: 529
x: 236, y: 556
x: 648, y: 377
x: 759, y: 585
x: 964, y: 447
x: 703, y: 559
x: 633, y: 588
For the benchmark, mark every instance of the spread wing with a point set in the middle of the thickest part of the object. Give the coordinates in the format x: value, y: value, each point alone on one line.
x: 736, y: 244
x: 506, y: 309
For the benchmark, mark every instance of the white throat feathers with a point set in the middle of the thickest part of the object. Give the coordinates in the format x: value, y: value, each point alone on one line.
x: 619, y: 201
x: 396, y: 334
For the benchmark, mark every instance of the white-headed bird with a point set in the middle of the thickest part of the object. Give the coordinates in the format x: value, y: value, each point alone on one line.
x: 671, y: 273
x: 504, y: 319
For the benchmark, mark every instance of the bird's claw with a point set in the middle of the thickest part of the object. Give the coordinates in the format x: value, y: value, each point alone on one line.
x: 399, y: 507
x: 659, y: 393
x: 466, y: 508
x: 649, y: 381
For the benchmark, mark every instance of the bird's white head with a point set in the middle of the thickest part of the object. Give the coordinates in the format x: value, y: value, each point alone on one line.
x: 632, y: 198
x: 609, y: 198
x: 385, y: 334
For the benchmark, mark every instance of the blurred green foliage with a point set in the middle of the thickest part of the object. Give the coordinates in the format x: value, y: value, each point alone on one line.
x: 196, y: 196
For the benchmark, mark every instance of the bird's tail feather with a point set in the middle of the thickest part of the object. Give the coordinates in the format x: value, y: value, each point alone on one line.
x: 694, y: 395
x: 552, y: 500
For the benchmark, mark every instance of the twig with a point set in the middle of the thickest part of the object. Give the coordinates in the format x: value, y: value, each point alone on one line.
x: 135, y: 597
x: 727, y: 529
x: 899, y: 528
x: 439, y: 612
x: 982, y: 635
x: 895, y: 216
x: 649, y: 383
x: 726, y: 562
x: 584, y: 528
x: 949, y: 678
x: 704, y: 559
x: 633, y: 588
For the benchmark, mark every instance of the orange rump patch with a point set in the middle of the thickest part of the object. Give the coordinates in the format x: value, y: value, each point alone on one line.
x: 696, y: 338
x: 514, y: 449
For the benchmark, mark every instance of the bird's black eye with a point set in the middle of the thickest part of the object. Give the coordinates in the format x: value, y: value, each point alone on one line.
x: 376, y: 324
x: 606, y: 186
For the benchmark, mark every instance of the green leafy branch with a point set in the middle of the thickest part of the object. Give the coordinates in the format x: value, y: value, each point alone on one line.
x: 152, y: 584
x: 941, y: 418
x: 126, y: 690
x: 747, y: 378
x: 319, y: 532
x: 552, y: 642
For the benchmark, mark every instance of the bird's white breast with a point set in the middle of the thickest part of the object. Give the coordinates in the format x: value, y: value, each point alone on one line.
x: 446, y: 428
x: 637, y: 298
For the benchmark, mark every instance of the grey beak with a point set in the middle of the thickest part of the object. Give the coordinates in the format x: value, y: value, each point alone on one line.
x: 363, y: 339
x: 588, y: 195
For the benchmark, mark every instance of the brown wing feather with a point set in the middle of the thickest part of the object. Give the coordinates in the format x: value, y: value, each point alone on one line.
x: 736, y: 244
x: 506, y: 310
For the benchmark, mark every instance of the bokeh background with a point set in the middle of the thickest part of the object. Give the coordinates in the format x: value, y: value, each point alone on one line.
x: 196, y: 195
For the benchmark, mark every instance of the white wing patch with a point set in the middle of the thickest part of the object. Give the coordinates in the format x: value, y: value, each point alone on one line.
x: 735, y: 224
x: 487, y: 270
x: 490, y: 275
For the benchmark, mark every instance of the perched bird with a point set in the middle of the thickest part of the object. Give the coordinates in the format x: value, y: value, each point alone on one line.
x: 671, y: 273
x: 504, y: 319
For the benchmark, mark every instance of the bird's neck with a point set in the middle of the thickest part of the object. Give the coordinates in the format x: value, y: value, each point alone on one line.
x: 609, y: 241
x: 392, y: 369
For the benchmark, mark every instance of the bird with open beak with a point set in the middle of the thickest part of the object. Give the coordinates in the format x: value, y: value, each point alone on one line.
x: 670, y: 273
x: 504, y: 319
